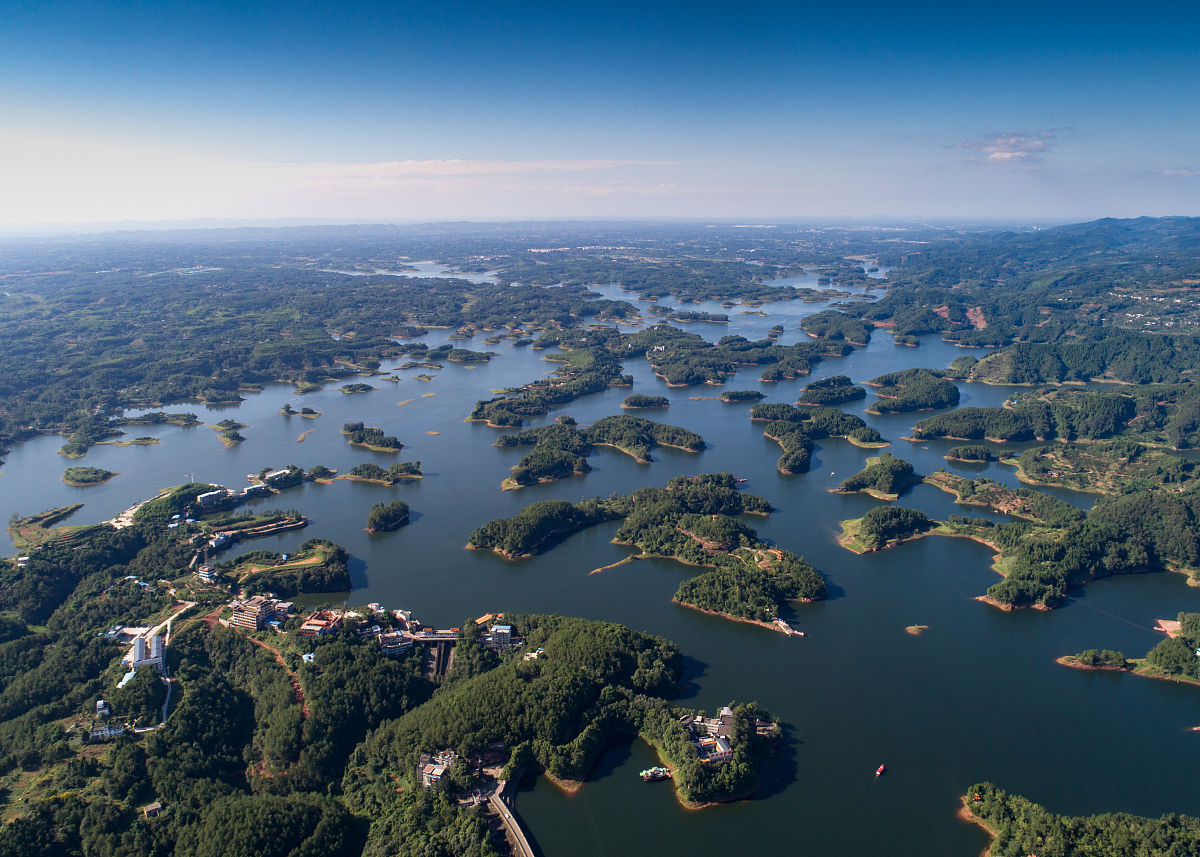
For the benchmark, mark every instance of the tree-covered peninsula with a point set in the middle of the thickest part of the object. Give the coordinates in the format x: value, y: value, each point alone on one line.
x: 1019, y: 826
x: 591, y: 683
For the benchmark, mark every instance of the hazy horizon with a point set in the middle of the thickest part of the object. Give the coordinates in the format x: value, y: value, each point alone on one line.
x: 468, y: 111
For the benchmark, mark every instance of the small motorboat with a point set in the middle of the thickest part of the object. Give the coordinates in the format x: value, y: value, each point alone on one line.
x: 879, y: 771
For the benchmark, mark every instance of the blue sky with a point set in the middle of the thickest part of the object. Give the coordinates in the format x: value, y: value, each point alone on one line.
x: 404, y: 111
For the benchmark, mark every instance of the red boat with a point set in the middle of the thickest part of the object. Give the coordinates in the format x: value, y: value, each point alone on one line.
x: 879, y: 771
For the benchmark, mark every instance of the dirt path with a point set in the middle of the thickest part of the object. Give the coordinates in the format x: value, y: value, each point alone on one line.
x: 295, y: 679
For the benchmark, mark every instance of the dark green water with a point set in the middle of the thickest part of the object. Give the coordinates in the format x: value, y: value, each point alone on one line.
x: 977, y: 697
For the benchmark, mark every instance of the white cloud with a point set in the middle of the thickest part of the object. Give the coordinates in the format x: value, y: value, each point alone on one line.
x: 1185, y: 173
x: 1010, y: 147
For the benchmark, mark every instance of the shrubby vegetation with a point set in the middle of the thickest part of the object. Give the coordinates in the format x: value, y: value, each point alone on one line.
x: 1018, y: 502
x: 86, y: 475
x: 1100, y: 659
x: 371, y: 437
x: 1109, y: 467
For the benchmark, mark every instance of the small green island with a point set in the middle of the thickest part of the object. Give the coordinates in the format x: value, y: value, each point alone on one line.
x: 835, y: 326
x: 370, y: 472
x: 692, y: 521
x: 884, y: 478
x: 974, y: 452
x: 79, y: 477
x: 912, y: 390
x: 884, y: 527
x: 370, y: 437
x: 795, y: 429
x: 838, y: 390
x: 732, y: 397
x: 308, y: 413
x: 387, y: 516
x: 357, y: 387
x: 638, y: 400
x: 229, y: 432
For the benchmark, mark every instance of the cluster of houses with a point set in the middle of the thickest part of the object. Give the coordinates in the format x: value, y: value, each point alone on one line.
x: 711, y: 735
x: 433, y: 768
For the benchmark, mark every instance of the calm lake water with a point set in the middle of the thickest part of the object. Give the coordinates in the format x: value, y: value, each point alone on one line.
x: 977, y: 697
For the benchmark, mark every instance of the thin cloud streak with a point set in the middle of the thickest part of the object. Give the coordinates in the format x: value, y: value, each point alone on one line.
x: 1010, y: 147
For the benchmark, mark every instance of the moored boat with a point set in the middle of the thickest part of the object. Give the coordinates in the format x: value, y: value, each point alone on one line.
x: 879, y: 771
x: 651, y: 774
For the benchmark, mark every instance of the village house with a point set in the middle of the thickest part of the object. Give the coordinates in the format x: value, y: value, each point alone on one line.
x: 432, y: 769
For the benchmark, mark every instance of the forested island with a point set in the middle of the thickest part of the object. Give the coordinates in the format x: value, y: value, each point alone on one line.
x: 837, y: 390
x: 884, y: 478
x: 370, y: 472
x: 387, y: 516
x: 731, y: 397
x: 81, y: 476
x: 795, y: 429
x: 562, y: 449
x: 371, y: 437
x: 912, y: 390
x: 692, y: 521
x: 637, y: 400
x: 974, y: 452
